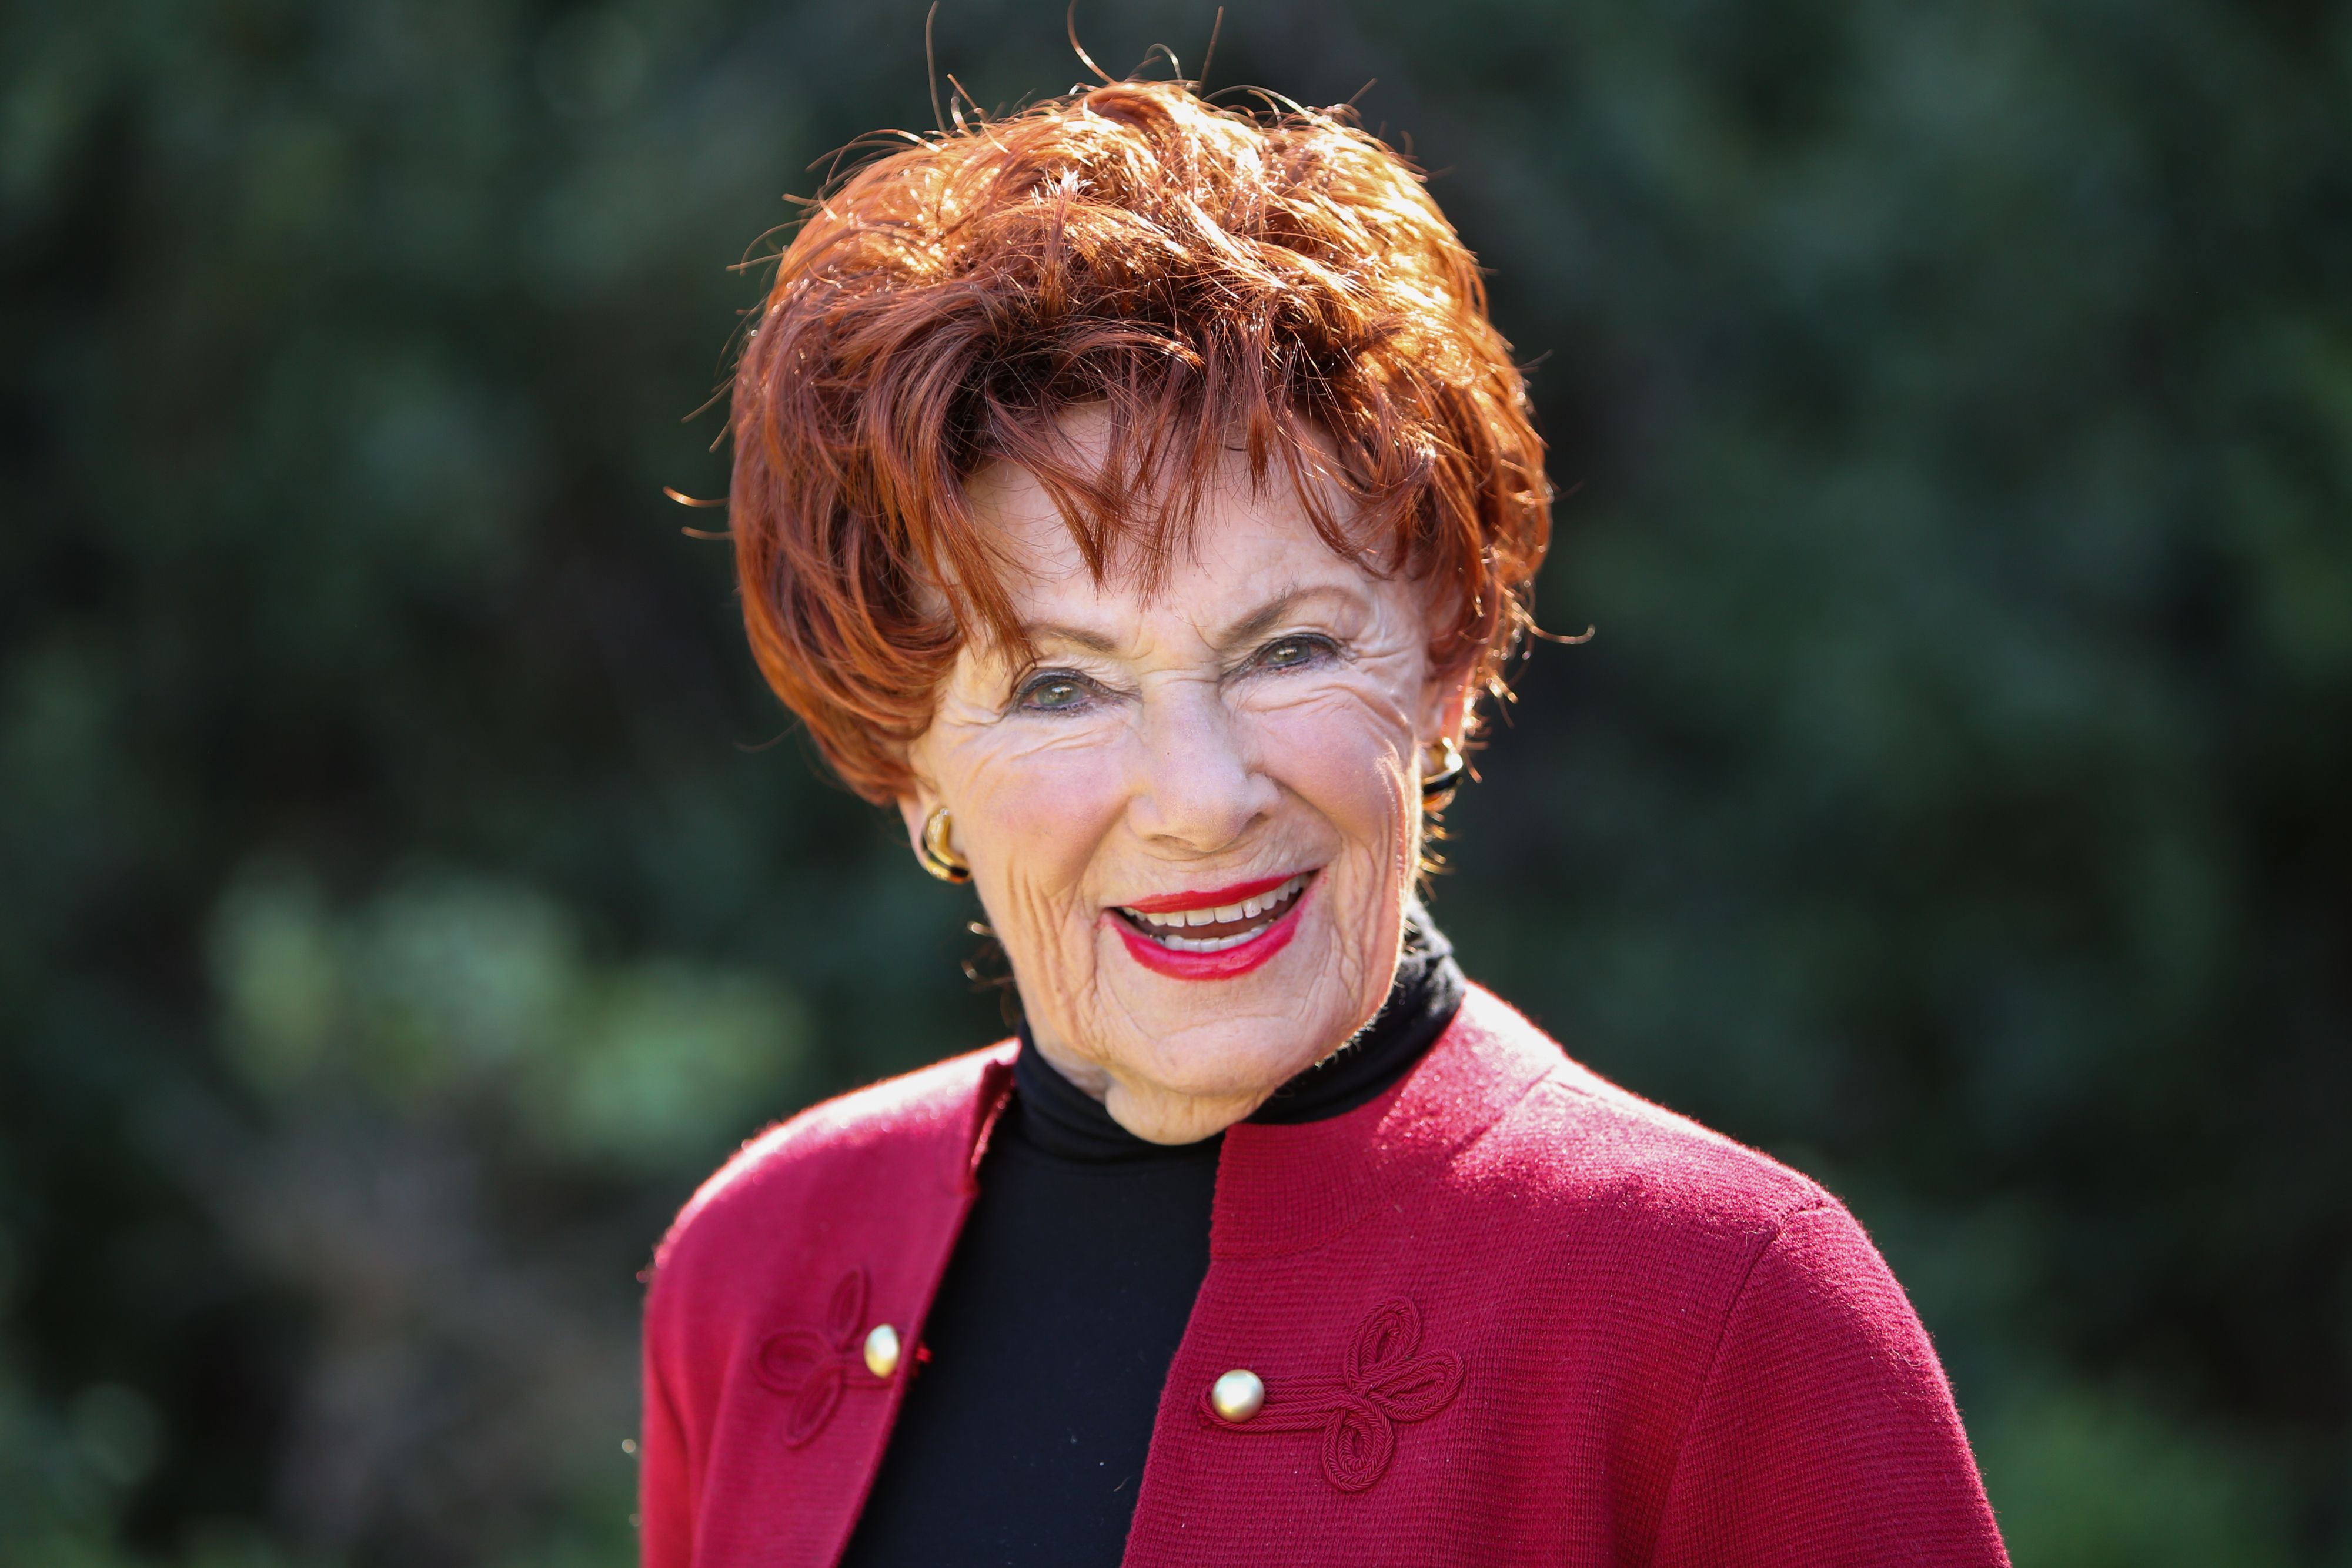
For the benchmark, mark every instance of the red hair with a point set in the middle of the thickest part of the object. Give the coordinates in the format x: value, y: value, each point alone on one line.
x: 1278, y: 280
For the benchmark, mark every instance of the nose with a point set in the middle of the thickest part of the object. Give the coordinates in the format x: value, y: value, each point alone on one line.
x: 1197, y: 789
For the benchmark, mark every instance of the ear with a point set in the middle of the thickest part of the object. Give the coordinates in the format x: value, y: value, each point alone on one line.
x: 918, y: 796
x: 916, y: 806
x: 1446, y: 704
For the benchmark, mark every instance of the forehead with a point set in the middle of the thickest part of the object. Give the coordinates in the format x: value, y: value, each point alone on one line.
x: 1246, y: 543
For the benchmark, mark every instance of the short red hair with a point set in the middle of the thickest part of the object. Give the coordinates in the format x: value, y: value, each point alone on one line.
x: 1278, y: 279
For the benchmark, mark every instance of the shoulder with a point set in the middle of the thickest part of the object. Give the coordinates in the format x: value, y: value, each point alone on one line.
x: 1810, y: 1407
x: 888, y: 1143
x: 1670, y: 1233
x: 1585, y: 1150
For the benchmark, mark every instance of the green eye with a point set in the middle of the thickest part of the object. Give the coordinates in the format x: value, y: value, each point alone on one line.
x: 1052, y: 693
x: 1289, y: 652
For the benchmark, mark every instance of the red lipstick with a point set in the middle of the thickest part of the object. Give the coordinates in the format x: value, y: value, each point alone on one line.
x: 1209, y: 898
x: 1226, y: 963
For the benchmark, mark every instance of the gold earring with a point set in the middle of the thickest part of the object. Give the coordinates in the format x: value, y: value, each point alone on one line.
x: 938, y: 859
x: 1440, y: 778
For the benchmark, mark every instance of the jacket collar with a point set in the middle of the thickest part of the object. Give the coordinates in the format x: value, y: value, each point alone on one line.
x: 1287, y: 1189
x: 995, y: 1090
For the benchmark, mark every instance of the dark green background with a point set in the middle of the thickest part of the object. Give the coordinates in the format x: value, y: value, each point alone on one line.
x: 407, y: 891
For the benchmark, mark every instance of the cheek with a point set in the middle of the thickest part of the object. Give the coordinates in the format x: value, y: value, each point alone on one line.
x: 1345, y: 761
x: 1344, y: 752
x: 1044, y: 829
x: 1031, y: 821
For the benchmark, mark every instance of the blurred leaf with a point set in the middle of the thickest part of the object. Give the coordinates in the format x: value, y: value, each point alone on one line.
x: 2088, y: 1482
x: 402, y: 906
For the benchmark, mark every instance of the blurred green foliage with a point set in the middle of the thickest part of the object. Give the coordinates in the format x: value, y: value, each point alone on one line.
x: 407, y: 892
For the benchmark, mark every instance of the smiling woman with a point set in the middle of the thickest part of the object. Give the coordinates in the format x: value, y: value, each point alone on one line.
x: 1212, y: 779
x: 1134, y: 493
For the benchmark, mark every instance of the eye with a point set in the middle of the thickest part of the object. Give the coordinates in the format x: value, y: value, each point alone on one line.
x: 1294, y: 652
x: 1052, y: 690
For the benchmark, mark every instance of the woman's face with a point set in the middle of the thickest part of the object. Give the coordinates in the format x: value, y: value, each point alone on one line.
x: 1194, y: 818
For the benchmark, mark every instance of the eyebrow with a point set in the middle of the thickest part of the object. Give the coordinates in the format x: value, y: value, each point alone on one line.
x: 1263, y: 619
x: 1249, y: 628
x: 1049, y: 632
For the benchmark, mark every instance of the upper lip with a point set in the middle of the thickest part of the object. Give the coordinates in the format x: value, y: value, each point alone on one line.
x: 1207, y: 898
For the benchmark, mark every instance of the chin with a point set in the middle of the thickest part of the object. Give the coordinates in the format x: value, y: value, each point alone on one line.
x: 1240, y: 1060
x: 1241, y: 1020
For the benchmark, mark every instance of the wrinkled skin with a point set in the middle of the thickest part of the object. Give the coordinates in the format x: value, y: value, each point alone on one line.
x: 1266, y: 712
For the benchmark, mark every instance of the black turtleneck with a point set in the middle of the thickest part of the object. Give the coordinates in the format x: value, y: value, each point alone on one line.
x: 1022, y: 1437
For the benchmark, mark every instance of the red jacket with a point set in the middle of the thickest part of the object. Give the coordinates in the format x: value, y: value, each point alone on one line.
x: 1506, y: 1313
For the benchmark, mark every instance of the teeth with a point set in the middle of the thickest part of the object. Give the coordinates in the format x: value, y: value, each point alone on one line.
x: 1163, y: 927
x: 1205, y: 944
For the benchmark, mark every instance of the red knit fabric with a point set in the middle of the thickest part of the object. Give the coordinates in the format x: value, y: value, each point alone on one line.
x: 1507, y: 1313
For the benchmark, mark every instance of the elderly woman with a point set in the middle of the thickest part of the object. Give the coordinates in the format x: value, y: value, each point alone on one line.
x: 1135, y: 493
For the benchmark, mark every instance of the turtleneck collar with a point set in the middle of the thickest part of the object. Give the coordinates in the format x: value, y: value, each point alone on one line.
x: 1053, y: 1115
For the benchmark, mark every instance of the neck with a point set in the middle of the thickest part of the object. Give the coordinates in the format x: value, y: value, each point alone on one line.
x: 1084, y: 1113
x: 1140, y: 1109
x: 1160, y: 1116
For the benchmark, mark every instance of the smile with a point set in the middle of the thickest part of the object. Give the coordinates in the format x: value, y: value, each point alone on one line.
x: 1215, y: 935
